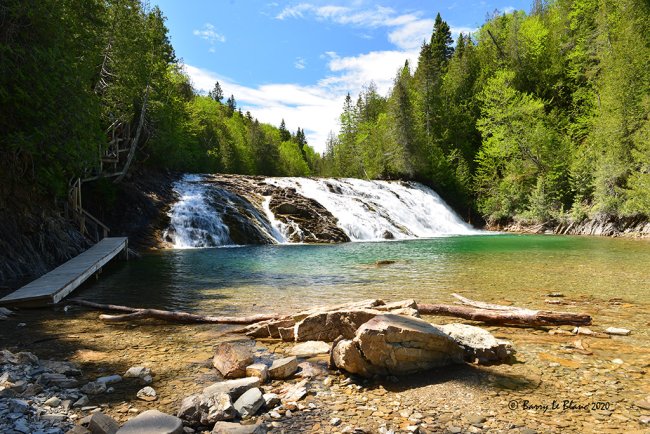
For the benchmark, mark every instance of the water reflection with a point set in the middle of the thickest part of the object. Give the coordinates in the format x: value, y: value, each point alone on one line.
x: 285, y: 277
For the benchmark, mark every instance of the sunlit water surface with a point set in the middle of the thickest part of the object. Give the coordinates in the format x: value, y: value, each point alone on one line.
x: 521, y: 269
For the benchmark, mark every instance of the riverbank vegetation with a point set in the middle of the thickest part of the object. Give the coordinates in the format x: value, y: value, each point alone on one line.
x: 72, y: 69
x: 535, y: 117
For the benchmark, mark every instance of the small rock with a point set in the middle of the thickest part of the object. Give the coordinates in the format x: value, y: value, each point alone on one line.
x: 81, y: 402
x: 19, y: 406
x: 94, y: 388
x: 249, y: 403
x: 53, y: 402
x: 644, y: 420
x: 617, y: 331
x: 259, y: 370
x: 271, y: 400
x: 455, y: 429
x: 147, y: 394
x: 527, y: 431
x: 296, y: 392
x: 283, y: 368
x: 78, y: 429
x: 100, y: 423
x: 645, y: 404
x: 555, y: 294
x: 235, y: 428
x: 154, y: 422
x: 335, y: 421
x: 475, y: 419
x: 110, y: 379
x: 140, y: 372
x: 275, y: 415
x: 617, y: 361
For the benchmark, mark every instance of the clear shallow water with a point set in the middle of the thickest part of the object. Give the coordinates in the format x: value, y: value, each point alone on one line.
x: 521, y: 269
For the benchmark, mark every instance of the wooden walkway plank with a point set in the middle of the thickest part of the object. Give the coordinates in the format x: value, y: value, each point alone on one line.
x: 58, y: 283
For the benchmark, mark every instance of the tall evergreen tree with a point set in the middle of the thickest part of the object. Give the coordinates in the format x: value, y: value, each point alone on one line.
x: 216, y: 93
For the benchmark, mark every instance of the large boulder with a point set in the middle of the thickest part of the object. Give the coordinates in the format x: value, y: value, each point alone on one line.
x: 231, y: 359
x: 327, y: 326
x: 479, y: 345
x: 390, y: 344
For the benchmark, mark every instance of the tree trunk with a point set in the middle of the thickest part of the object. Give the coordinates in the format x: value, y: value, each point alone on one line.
x: 173, y: 316
x: 504, y: 315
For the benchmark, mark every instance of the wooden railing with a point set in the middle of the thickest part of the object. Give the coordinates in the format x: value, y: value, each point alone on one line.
x: 89, y: 225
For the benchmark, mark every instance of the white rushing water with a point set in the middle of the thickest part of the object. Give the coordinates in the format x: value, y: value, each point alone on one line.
x: 193, y: 222
x: 376, y: 210
x: 365, y: 210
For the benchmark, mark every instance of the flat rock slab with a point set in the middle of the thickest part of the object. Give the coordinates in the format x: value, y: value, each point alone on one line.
x: 234, y: 388
x: 152, y: 422
x: 236, y: 428
x: 283, y: 368
x: 391, y: 344
x: 478, y: 344
x: 310, y: 348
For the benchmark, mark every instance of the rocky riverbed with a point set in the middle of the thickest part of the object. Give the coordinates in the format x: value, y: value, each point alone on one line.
x: 559, y: 382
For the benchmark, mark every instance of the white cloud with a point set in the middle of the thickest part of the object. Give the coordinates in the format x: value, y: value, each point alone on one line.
x: 508, y: 9
x: 316, y: 108
x: 295, y: 11
x: 411, y: 35
x: 300, y: 63
x: 209, y: 33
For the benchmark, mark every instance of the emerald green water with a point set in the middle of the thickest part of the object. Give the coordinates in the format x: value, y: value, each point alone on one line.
x: 521, y: 269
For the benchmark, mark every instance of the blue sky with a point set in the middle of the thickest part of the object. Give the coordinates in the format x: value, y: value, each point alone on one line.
x: 297, y: 60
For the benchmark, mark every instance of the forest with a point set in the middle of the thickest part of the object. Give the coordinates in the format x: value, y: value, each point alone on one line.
x: 536, y: 117
x: 540, y: 117
x: 69, y: 69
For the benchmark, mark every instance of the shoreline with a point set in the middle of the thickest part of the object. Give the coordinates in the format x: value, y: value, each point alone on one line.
x: 463, y: 398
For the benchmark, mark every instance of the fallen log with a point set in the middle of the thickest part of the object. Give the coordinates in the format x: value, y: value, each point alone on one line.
x: 487, y: 313
x: 173, y: 316
x: 504, y: 315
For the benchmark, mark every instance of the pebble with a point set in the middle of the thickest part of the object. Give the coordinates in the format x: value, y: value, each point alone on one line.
x: 335, y: 421
x: 147, y: 394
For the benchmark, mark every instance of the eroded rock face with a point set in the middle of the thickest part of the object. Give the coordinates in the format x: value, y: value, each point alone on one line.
x: 241, y: 196
x: 478, y: 344
x: 390, y: 344
x: 316, y: 223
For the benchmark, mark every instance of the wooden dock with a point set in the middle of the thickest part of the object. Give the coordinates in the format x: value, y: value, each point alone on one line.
x: 58, y: 283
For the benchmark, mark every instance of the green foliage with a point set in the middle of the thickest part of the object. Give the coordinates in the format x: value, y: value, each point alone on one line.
x: 534, y: 118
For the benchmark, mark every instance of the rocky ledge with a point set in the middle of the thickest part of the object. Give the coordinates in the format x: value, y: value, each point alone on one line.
x: 307, y: 220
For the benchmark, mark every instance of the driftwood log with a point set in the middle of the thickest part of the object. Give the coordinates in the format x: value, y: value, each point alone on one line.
x: 471, y: 310
x: 503, y: 315
x: 166, y: 315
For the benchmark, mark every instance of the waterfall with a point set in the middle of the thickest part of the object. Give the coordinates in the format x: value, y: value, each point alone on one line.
x: 378, y: 210
x: 210, y: 213
x: 193, y: 222
x: 207, y: 215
